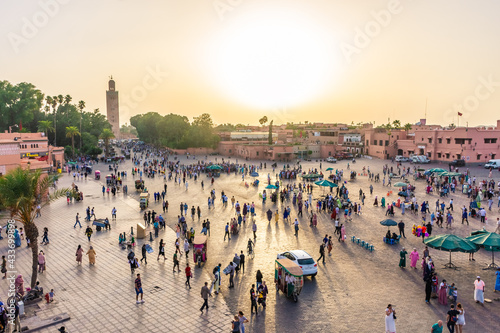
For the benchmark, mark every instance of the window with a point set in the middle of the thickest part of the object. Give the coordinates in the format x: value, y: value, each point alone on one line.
x: 492, y: 156
x: 440, y: 140
x: 374, y: 142
x: 447, y: 155
x: 429, y: 155
x: 459, y: 156
x: 448, y: 142
x: 230, y: 151
x: 478, y: 157
x: 386, y: 142
x: 430, y: 140
x: 439, y: 155
x: 493, y: 140
x: 462, y: 141
x: 367, y: 142
x: 380, y: 143
x: 257, y: 153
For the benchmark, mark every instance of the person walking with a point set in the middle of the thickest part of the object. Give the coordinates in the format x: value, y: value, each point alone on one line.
x: 205, y: 292
x: 460, y: 318
x: 144, y: 252
x: 227, y: 232
x: 17, y: 321
x: 437, y: 327
x: 497, y: 282
x: 176, y: 263
x: 91, y: 253
x: 253, y: 299
x: 402, y: 258
x: 254, y: 229
x: 231, y: 275
x: 79, y: 254
x: 189, y: 275
x: 113, y: 213
x: 242, y: 262
x: 479, y: 290
x: 77, y: 220
x: 390, y: 322
x: 235, y: 325
x: 41, y: 262
x: 89, y: 232
x: 243, y: 321
x: 138, y: 289
x: 321, y: 252
x: 161, y: 250
x: 330, y: 245
x: 414, y: 256
x: 296, y: 224
x: 451, y: 318
x: 497, y: 230
x: 186, y: 248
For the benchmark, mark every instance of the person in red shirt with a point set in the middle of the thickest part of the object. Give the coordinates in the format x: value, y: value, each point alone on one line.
x: 188, y: 275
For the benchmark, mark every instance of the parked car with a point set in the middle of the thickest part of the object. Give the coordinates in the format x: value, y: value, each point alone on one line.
x: 400, y: 158
x: 331, y: 159
x: 457, y: 163
x: 494, y: 164
x: 303, y: 259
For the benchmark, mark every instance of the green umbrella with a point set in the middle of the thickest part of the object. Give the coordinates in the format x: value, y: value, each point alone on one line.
x: 400, y: 184
x: 214, y: 167
x: 437, y: 170
x: 311, y: 175
x: 271, y: 187
x: 329, y: 169
x: 326, y: 183
x: 451, y: 174
x: 490, y: 241
x: 389, y: 223
x: 451, y: 243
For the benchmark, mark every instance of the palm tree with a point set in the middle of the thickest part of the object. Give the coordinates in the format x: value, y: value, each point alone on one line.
x: 71, y: 131
x: 67, y: 99
x: 396, y: 124
x: 81, y: 106
x: 107, y: 135
x: 407, y: 127
x: 21, y: 190
x: 263, y: 120
x: 54, y: 106
x: 45, y: 126
x: 60, y: 99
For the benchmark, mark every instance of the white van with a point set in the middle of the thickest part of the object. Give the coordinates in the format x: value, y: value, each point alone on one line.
x: 423, y: 159
x: 494, y: 164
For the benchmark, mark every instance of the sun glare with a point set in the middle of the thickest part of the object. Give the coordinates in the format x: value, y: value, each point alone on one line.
x: 271, y: 60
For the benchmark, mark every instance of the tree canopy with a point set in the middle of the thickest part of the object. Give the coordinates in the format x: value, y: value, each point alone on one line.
x: 175, y: 131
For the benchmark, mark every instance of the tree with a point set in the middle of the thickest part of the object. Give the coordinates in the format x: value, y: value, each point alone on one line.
x: 81, y: 106
x: 107, y: 135
x: 20, y: 192
x: 71, y: 131
x: 407, y: 127
x: 45, y: 126
x: 270, y: 137
x: 263, y: 120
x: 396, y: 124
x: 20, y: 104
x: 67, y: 99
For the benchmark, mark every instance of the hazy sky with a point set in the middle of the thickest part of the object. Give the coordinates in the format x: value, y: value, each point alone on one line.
x: 292, y: 60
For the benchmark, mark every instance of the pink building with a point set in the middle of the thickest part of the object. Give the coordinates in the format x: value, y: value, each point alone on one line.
x: 28, y: 149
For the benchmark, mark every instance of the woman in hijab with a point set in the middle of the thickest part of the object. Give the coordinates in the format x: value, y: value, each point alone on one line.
x: 91, y: 253
x: 20, y: 285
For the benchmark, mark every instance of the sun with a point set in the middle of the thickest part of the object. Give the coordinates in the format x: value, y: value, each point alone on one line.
x: 272, y: 59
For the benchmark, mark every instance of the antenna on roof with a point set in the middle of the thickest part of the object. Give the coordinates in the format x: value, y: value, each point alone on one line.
x: 425, y: 114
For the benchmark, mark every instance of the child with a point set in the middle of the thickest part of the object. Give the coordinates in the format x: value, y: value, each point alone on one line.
x: 51, y: 295
x: 21, y: 233
x: 452, y: 293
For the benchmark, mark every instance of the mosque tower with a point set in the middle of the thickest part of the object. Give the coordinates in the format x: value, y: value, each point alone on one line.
x: 112, y: 108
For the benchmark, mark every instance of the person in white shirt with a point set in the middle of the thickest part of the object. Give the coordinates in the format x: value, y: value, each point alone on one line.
x: 498, y: 226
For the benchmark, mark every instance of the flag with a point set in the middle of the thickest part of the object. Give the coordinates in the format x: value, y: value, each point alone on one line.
x: 460, y: 114
x: 20, y: 126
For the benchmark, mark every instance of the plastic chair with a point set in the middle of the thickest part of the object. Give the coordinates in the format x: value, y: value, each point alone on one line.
x: 371, y: 248
x: 362, y: 243
x: 358, y: 240
x: 353, y: 238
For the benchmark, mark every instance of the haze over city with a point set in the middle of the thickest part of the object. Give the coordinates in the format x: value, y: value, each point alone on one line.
x: 317, y: 60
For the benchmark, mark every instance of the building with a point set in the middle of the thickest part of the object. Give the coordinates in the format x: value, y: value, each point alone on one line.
x: 112, y: 108
x: 28, y: 150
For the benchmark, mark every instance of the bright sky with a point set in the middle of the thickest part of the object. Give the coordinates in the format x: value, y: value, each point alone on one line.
x: 292, y: 60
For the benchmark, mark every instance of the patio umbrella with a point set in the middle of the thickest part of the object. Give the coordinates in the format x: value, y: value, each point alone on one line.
x: 434, y: 170
x: 490, y: 241
x: 389, y: 223
x: 451, y: 174
x: 214, y: 167
x: 400, y: 184
x: 451, y: 243
x: 311, y: 175
x: 326, y: 183
x: 403, y: 194
x: 271, y: 187
x: 254, y: 174
x: 329, y: 169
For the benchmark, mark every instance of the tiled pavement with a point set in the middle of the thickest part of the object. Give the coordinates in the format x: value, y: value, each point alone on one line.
x: 350, y: 292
